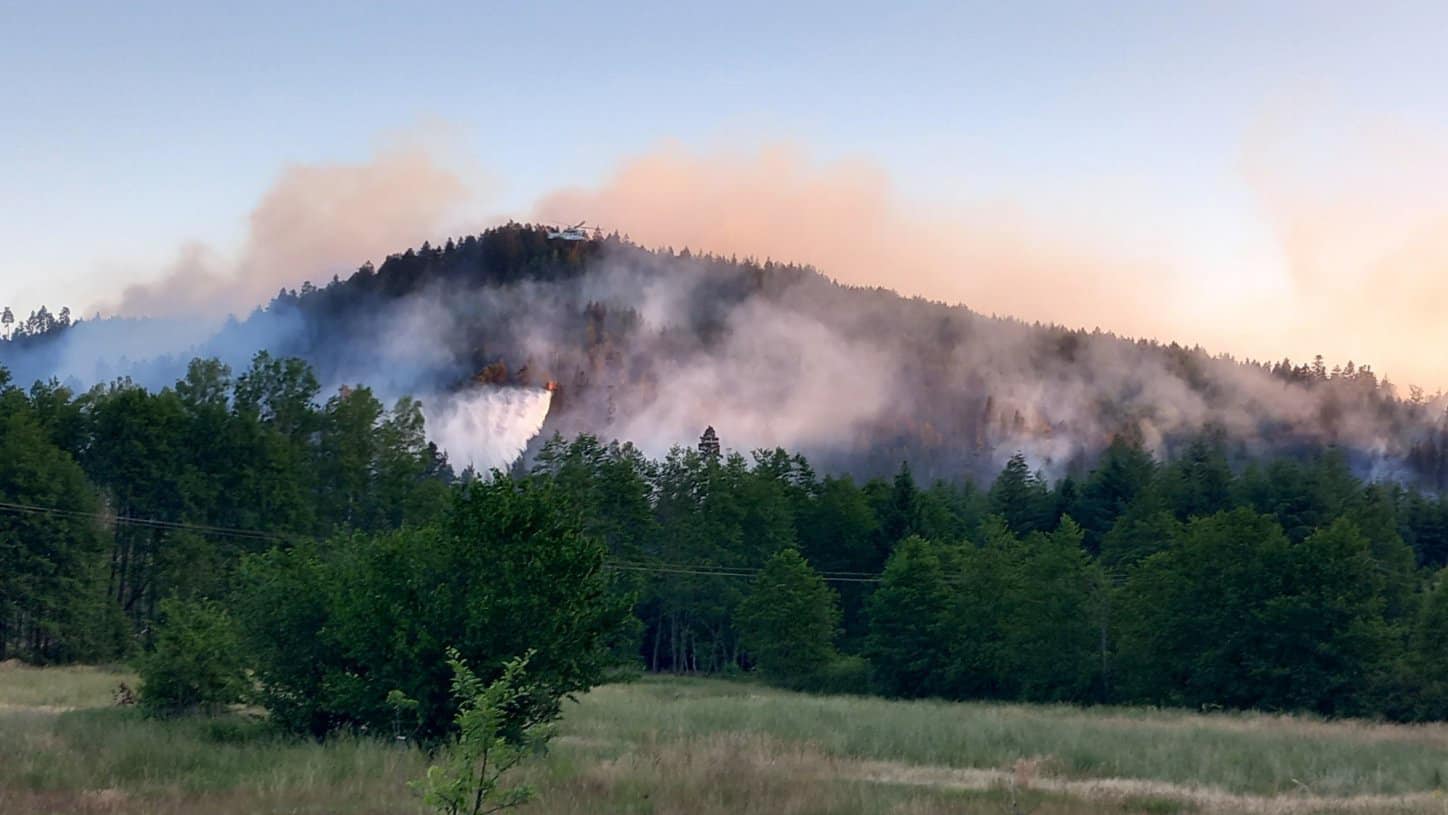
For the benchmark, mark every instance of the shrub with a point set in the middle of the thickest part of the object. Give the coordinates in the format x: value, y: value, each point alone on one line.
x: 845, y: 674
x: 335, y: 628
x: 469, y: 781
x: 197, y: 662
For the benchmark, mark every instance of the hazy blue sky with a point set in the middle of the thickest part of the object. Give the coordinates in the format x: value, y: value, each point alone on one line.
x: 127, y: 128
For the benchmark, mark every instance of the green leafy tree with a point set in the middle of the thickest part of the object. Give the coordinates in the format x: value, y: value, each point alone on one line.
x: 407, y: 489
x: 789, y: 621
x: 908, y: 613
x: 897, y: 515
x: 982, y: 597
x: 1428, y: 654
x: 1051, y: 628
x: 1373, y: 513
x: 1189, y: 620
x: 281, y: 392
x: 336, y: 626
x: 139, y: 459
x: 53, y: 601
x: 837, y: 532
x: 1199, y: 482
x: 347, y: 456
x: 1123, y: 474
x: 1147, y: 527
x: 1325, y: 638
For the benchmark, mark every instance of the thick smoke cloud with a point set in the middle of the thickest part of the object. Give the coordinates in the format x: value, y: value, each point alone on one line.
x: 315, y: 221
x: 770, y: 373
x: 1361, y: 226
x: 844, y: 219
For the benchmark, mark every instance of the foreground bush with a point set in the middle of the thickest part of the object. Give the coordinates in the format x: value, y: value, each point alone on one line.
x: 334, y: 628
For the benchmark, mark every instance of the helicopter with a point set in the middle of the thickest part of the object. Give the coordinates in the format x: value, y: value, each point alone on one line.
x: 578, y: 232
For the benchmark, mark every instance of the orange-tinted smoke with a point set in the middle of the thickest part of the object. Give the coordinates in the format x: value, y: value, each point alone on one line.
x: 844, y: 219
x: 1360, y: 214
x: 1363, y: 234
x: 315, y: 221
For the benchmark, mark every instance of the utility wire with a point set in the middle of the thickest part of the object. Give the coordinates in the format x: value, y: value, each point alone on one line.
x: 152, y: 523
x: 749, y: 571
x: 667, y: 568
x: 618, y: 564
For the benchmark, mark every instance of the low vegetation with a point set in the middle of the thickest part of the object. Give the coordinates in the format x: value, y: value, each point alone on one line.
x: 663, y: 745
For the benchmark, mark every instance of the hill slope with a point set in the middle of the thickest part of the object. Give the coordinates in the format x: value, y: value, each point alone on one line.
x: 653, y: 346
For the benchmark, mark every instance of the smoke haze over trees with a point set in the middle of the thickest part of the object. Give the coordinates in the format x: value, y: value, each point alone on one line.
x: 652, y: 345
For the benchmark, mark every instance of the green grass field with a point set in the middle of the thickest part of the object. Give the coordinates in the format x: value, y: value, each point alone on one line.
x: 672, y: 745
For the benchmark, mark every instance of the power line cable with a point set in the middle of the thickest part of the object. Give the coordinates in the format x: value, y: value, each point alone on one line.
x: 665, y: 568
x: 619, y: 564
x: 746, y: 570
x: 152, y: 523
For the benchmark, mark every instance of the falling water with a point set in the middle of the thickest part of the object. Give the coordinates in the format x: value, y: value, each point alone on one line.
x: 488, y: 427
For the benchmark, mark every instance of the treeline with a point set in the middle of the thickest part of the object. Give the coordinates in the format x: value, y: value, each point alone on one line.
x: 1291, y: 585
x: 114, y: 499
x: 340, y: 544
x: 37, y: 326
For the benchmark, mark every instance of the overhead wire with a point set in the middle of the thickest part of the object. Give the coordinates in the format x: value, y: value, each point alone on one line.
x: 667, y: 568
x: 152, y: 523
x: 614, y: 563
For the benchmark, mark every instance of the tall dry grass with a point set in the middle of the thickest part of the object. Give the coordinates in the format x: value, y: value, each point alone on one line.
x: 706, y: 747
x: 1239, y: 753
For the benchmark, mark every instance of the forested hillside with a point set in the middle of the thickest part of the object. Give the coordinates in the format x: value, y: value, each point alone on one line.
x: 652, y: 345
x: 968, y: 507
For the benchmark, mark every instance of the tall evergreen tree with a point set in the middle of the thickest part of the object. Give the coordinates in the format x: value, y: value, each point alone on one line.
x: 1021, y: 498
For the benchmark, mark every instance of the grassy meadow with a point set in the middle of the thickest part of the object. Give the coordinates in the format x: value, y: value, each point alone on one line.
x: 676, y: 745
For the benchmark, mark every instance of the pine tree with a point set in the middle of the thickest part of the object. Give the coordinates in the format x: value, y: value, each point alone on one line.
x: 1021, y: 497
x: 709, y: 444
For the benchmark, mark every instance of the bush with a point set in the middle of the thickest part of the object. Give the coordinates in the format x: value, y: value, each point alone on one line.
x: 845, y: 674
x: 334, y: 628
x: 197, y: 662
